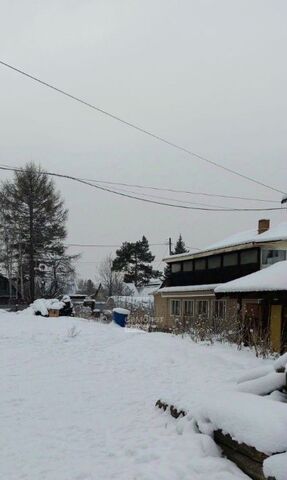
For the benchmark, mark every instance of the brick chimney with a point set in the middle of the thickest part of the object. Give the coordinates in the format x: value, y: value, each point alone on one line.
x: 263, y: 225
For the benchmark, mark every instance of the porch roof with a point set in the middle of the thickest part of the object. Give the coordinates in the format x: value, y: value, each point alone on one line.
x: 189, y: 288
x: 270, y: 279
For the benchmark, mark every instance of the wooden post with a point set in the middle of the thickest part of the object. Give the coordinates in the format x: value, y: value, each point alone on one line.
x: 275, y: 327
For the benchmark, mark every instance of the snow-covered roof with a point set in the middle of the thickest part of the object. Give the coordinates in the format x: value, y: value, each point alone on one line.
x: 274, y: 234
x: 132, y: 300
x: 150, y: 289
x: 189, y: 288
x: 272, y: 278
x: 132, y: 288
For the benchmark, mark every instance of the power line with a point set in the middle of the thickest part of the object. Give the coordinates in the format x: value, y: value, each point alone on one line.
x: 140, y: 129
x: 149, y: 195
x: 155, y: 202
x: 105, y: 246
x: 173, y: 190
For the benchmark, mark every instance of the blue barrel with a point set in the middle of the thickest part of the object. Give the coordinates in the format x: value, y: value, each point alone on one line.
x: 120, y: 316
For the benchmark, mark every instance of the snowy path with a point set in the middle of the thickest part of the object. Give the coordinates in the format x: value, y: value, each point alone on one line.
x: 82, y: 408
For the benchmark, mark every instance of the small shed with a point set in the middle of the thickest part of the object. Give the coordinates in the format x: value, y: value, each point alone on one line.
x: 264, y: 295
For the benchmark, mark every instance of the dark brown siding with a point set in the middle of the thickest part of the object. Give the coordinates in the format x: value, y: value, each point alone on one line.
x: 215, y: 275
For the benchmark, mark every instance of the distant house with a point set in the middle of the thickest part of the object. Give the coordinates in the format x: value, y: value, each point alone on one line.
x: 190, y: 287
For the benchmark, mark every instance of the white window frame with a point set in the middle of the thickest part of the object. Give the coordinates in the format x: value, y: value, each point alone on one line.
x: 197, y: 307
x: 172, y: 301
x: 216, y: 303
x: 184, y: 307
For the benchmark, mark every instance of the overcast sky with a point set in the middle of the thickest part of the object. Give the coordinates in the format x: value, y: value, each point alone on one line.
x: 210, y: 75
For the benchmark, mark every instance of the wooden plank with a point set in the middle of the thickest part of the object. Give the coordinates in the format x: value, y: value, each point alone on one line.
x: 225, y: 439
x: 252, y: 468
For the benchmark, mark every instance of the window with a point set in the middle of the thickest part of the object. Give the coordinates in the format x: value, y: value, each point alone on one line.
x: 188, y: 307
x: 248, y: 256
x: 175, y: 307
x: 188, y: 266
x: 202, y: 307
x: 219, y: 308
x: 175, y: 267
x: 199, y: 264
x: 214, y: 262
x: 272, y: 256
x: 230, y: 259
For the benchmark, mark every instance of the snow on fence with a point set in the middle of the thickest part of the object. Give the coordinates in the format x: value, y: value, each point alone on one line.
x: 250, y: 428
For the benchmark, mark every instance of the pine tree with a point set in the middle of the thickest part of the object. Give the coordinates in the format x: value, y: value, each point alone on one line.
x: 179, y: 246
x: 87, y: 287
x: 134, y: 259
x: 34, y: 211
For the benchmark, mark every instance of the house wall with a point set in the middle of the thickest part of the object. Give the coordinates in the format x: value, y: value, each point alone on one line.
x: 163, y: 320
x: 166, y: 321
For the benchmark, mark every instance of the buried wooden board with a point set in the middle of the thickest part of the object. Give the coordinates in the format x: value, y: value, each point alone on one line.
x: 247, y: 458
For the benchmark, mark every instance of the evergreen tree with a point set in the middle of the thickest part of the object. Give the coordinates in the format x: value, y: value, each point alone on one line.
x: 134, y: 260
x: 33, y: 210
x: 179, y: 246
x: 87, y: 287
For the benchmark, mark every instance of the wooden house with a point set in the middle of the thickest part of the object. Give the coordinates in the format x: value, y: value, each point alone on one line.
x: 189, y: 288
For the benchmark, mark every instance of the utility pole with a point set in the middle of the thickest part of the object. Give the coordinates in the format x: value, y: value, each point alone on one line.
x: 169, y: 246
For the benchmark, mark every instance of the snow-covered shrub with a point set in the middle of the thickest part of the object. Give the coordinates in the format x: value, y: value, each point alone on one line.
x: 73, y: 332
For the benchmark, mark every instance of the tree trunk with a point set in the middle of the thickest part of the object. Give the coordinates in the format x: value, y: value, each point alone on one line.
x: 31, y: 249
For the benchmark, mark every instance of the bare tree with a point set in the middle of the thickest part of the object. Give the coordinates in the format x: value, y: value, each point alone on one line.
x: 111, y: 281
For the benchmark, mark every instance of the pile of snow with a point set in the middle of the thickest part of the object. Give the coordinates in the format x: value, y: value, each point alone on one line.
x: 43, y: 305
x: 257, y: 421
x: 249, y: 418
x: 264, y: 380
x: 264, y: 384
x: 276, y: 467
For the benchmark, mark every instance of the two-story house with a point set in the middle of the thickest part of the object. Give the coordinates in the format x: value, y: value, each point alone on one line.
x: 189, y: 289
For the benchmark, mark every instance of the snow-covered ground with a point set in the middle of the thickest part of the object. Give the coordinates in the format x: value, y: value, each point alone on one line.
x: 78, y: 404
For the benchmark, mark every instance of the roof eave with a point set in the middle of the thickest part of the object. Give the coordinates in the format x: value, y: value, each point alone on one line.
x: 217, y: 251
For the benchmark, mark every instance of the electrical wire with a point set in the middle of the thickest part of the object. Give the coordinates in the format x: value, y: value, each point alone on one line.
x: 155, y: 202
x: 105, y: 246
x: 140, y: 129
x: 173, y: 190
